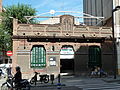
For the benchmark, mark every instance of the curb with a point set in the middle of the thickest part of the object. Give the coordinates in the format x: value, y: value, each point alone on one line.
x: 50, y: 85
x: 110, y: 81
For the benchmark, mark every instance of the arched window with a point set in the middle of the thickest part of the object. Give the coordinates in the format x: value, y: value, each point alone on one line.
x: 94, y: 56
x: 38, y: 56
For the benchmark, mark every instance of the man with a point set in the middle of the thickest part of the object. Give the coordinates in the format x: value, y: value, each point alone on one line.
x: 17, y: 79
x: 17, y: 76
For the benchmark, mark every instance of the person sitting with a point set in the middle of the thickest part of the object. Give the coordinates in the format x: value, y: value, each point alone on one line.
x: 94, y: 71
x: 17, y: 77
x: 101, y: 72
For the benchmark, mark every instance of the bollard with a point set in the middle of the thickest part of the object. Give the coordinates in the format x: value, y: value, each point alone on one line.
x: 59, y: 86
x: 52, y: 78
x: 59, y: 78
x: 59, y: 83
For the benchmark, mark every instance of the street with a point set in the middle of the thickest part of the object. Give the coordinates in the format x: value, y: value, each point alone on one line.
x: 79, y: 83
x: 87, y: 83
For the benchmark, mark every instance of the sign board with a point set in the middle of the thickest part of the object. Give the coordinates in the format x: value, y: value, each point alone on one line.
x: 52, y: 61
x: 9, y: 53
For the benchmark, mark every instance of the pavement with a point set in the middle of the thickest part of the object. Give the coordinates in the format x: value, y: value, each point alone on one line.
x: 78, y: 83
x: 56, y: 88
x: 111, y: 79
x: 82, y: 83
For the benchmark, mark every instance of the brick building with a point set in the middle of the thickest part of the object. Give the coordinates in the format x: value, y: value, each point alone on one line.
x: 37, y: 47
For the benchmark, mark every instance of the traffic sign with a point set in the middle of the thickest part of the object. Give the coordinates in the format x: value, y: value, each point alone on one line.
x: 9, y: 53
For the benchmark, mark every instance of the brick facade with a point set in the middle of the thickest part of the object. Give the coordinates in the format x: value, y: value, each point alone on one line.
x: 77, y: 36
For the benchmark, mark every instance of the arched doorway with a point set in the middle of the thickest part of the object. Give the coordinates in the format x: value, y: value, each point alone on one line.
x: 67, y: 59
x: 94, y: 56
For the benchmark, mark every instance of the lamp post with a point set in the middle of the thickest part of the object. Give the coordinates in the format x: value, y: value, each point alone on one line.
x: 114, y: 41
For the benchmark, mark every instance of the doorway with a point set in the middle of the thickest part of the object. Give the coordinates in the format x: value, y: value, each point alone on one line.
x: 67, y: 66
x: 67, y: 59
x: 94, y: 56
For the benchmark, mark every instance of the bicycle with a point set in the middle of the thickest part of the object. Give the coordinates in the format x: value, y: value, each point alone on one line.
x: 42, y: 78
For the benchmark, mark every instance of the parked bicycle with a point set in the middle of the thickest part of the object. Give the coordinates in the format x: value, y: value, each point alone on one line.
x: 42, y: 78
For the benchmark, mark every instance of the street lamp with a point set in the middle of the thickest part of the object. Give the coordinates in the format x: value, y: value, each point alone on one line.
x: 114, y: 41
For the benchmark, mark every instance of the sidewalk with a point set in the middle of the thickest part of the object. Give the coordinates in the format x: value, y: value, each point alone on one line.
x: 55, y: 88
x: 111, y: 79
x: 49, y: 84
x: 70, y: 82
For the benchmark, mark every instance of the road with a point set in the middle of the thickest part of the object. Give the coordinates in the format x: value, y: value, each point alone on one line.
x: 92, y: 84
x: 77, y: 83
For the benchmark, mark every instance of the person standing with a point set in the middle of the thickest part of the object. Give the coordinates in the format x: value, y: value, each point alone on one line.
x: 9, y: 71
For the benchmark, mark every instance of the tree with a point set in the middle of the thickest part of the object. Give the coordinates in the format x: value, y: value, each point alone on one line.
x: 15, y: 11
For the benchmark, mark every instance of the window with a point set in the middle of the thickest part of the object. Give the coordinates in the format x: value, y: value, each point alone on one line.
x: 38, y: 57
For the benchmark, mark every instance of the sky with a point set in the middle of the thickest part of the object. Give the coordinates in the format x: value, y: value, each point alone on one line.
x: 43, y: 6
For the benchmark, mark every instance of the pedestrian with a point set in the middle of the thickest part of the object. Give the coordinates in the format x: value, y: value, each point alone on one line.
x: 17, y: 77
x: 9, y: 71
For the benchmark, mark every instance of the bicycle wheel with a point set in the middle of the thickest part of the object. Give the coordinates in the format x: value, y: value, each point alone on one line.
x: 46, y: 80
x: 32, y: 81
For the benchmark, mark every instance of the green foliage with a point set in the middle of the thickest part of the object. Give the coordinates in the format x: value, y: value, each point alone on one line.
x: 15, y: 11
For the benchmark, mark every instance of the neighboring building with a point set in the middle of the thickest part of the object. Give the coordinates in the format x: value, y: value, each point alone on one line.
x: 42, y: 47
x: 104, y: 8
x: 99, y: 8
x: 117, y: 31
